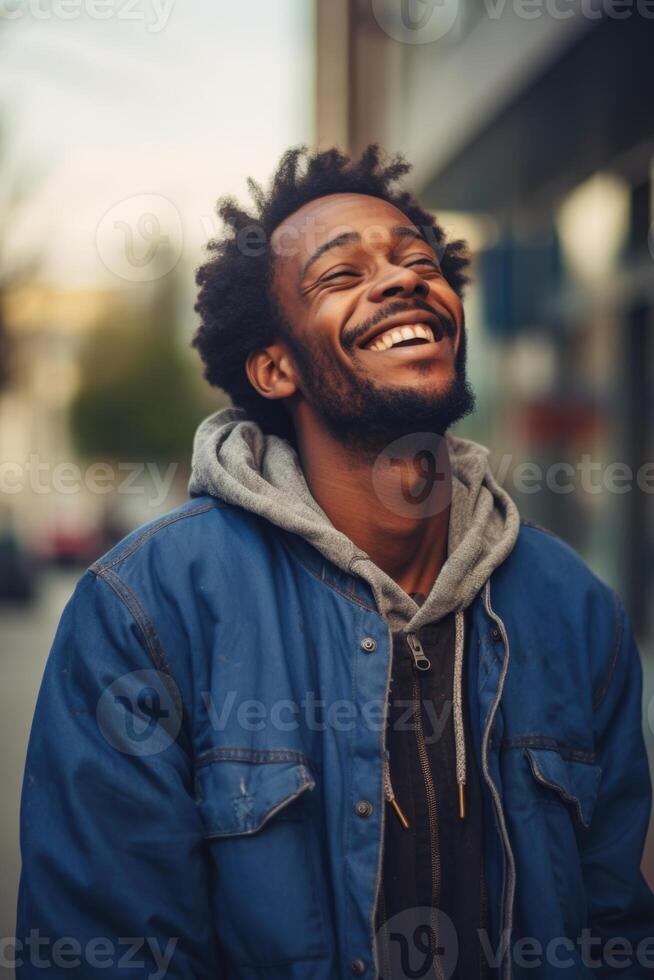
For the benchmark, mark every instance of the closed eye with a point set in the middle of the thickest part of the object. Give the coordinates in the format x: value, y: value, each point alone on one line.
x: 335, y: 275
x: 424, y: 260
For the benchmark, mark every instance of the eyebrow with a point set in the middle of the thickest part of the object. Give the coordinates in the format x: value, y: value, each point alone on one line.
x: 399, y: 231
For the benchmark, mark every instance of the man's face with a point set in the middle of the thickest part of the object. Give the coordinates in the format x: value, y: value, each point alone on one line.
x: 373, y: 329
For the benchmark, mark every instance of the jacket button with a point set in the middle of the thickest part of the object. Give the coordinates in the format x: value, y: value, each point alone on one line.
x: 363, y: 808
x: 496, y: 634
x: 358, y: 967
x: 368, y: 645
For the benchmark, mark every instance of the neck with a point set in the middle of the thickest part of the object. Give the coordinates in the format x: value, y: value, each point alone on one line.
x: 395, y: 507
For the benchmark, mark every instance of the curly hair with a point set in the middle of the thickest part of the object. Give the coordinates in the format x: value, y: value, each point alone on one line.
x: 237, y: 309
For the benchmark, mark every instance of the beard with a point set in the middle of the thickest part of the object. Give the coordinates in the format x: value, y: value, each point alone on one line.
x: 364, y: 416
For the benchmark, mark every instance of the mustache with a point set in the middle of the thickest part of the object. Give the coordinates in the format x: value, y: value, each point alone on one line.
x: 400, y: 306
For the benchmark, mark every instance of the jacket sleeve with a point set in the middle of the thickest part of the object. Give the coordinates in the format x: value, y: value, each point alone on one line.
x: 114, y: 882
x: 620, y: 903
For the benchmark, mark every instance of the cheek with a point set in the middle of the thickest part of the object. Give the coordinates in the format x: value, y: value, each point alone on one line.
x: 331, y: 314
x: 334, y: 304
x: 446, y: 295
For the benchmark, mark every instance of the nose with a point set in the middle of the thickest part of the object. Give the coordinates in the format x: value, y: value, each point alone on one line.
x: 398, y: 280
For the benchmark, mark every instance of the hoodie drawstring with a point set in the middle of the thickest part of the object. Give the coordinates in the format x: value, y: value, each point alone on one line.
x: 457, y: 710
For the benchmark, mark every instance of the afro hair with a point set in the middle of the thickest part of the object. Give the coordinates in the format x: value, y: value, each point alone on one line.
x: 238, y: 312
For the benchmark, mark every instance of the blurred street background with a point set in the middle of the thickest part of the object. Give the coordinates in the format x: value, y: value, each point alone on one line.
x: 531, y: 131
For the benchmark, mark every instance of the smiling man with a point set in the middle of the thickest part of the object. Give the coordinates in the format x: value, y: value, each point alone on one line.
x: 370, y: 349
x: 342, y: 713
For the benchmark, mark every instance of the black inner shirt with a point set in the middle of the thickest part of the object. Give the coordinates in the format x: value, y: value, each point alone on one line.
x: 437, y: 863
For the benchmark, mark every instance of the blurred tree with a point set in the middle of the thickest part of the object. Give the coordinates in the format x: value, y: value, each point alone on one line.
x: 4, y: 345
x: 141, y: 395
x: 4, y: 340
x: 15, y: 270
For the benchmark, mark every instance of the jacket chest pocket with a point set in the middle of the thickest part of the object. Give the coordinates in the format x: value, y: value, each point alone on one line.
x: 564, y: 781
x: 263, y: 865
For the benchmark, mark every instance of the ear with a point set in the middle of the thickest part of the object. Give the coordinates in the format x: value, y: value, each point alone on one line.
x: 271, y: 372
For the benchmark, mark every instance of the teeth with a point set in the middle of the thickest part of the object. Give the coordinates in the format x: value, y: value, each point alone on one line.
x: 396, y: 335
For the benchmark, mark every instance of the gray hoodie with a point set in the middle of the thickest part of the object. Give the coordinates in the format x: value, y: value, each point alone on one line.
x: 235, y: 461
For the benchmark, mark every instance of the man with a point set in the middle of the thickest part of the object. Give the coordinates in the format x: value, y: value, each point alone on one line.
x: 341, y: 713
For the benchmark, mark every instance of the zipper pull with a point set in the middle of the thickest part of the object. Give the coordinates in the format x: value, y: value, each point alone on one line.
x: 390, y: 796
x: 420, y: 660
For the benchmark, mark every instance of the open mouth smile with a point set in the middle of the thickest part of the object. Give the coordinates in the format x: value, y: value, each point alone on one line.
x: 408, y: 335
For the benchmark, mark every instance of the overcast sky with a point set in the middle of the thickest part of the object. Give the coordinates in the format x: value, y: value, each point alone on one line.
x: 177, y: 100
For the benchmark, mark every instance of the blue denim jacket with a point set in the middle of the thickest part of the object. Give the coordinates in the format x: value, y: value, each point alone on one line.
x: 211, y: 715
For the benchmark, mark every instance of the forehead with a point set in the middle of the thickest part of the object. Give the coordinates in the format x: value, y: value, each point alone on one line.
x: 322, y: 219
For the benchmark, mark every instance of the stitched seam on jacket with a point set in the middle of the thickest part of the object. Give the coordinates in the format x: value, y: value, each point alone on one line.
x: 256, y: 756
x: 602, y: 689
x: 570, y: 752
x: 335, y: 588
x: 349, y: 781
x: 144, y: 623
x: 165, y: 522
x: 539, y: 527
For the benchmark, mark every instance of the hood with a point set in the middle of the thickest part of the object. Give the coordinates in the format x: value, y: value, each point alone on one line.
x: 235, y: 461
